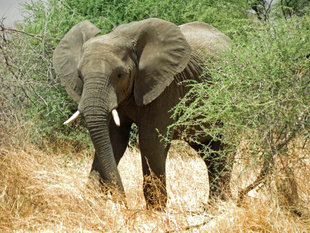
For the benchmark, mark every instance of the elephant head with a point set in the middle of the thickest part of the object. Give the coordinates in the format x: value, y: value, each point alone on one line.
x: 138, y: 59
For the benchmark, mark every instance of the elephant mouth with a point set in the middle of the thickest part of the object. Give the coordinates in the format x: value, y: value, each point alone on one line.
x: 77, y: 113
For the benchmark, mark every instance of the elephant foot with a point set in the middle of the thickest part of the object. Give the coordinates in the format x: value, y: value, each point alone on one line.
x: 155, y: 193
x: 220, y: 190
x: 219, y: 193
x: 112, y: 191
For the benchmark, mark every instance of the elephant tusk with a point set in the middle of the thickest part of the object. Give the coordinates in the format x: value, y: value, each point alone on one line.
x: 116, y: 117
x: 72, y: 118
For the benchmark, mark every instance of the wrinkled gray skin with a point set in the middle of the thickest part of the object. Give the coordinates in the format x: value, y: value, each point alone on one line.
x: 136, y: 69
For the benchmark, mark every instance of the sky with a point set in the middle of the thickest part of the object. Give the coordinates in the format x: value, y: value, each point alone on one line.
x: 11, y: 10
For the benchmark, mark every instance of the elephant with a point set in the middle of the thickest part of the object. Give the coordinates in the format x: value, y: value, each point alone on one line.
x: 135, y: 74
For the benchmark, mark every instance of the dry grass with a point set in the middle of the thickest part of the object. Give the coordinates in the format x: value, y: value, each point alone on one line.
x: 51, y: 192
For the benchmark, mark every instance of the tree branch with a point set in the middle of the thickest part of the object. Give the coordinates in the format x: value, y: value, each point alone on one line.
x: 11, y: 30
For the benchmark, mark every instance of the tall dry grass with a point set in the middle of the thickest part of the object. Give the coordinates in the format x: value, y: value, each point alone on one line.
x: 50, y: 191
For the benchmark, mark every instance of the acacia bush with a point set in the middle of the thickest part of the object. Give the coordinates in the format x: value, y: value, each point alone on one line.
x: 259, y: 92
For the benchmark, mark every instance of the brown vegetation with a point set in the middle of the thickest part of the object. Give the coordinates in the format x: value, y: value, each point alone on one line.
x: 51, y: 191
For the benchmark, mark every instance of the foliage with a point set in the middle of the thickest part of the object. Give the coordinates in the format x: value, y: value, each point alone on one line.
x: 32, y: 91
x: 259, y: 91
x: 262, y: 8
x: 289, y: 8
x: 107, y: 14
x: 273, y: 9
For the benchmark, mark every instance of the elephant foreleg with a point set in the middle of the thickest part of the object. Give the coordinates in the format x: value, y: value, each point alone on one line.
x: 154, y: 154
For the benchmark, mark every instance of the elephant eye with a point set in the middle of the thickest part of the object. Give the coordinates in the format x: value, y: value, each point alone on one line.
x: 120, y: 75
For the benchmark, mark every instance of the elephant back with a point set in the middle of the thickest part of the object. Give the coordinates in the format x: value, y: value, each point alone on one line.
x: 204, y: 37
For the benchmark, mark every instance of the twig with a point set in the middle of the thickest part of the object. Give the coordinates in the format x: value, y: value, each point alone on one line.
x: 267, y: 11
x: 262, y: 176
x: 268, y: 164
x: 11, y: 67
x: 190, y: 227
x: 4, y: 29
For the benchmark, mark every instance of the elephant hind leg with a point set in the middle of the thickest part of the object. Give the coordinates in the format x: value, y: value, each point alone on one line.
x: 219, y: 168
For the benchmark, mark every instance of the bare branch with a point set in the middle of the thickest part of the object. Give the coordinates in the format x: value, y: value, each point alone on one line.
x: 267, y: 167
x: 11, y: 30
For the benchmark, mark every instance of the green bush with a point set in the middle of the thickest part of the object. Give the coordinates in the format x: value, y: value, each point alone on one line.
x: 29, y: 87
x: 259, y: 91
x: 108, y: 14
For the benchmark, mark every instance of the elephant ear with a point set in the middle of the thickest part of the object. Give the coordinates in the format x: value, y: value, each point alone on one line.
x: 67, y: 55
x: 162, y: 52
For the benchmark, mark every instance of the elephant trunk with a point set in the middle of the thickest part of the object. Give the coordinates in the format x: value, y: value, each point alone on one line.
x: 96, y: 107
